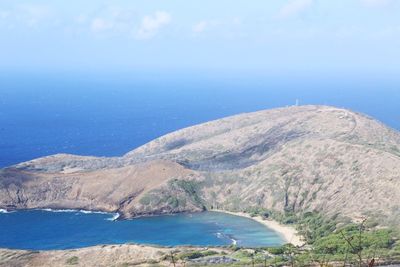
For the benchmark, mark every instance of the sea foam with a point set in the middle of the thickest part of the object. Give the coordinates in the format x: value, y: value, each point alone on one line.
x: 59, y: 210
x: 93, y: 211
x: 75, y: 210
x: 225, y: 236
x: 113, y: 218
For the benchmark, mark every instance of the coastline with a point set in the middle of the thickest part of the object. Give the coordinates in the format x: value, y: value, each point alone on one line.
x: 288, y: 233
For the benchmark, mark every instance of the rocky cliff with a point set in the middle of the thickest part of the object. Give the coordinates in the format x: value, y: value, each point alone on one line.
x: 307, y: 158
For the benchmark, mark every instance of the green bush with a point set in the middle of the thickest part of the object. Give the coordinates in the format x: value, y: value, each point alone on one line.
x: 173, y: 201
x: 244, y: 254
x: 276, y: 251
x: 145, y: 200
x: 209, y: 253
x: 72, y: 261
x: 234, y: 248
x: 336, y: 243
x: 190, y: 187
x: 190, y: 255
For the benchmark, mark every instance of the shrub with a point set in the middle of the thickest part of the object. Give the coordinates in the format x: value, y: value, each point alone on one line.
x: 190, y: 255
x: 145, y: 200
x: 276, y: 251
x: 234, y: 247
x: 72, y: 261
x: 209, y: 253
x: 336, y: 244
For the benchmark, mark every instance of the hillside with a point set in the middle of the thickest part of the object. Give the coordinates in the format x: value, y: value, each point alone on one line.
x: 306, y: 158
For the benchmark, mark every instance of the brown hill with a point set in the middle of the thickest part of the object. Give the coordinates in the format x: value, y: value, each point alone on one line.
x: 307, y: 158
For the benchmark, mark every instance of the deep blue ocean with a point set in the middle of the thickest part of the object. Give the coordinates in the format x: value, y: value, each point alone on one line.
x: 109, y: 115
x: 44, y: 230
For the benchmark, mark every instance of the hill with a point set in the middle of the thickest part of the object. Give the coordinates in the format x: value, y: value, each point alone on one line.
x: 295, y: 159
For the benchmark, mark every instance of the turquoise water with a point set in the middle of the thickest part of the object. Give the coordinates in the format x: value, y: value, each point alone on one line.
x: 46, y: 230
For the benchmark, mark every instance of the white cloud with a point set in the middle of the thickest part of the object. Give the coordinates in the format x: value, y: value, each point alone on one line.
x: 200, y: 27
x: 294, y: 8
x: 81, y: 19
x: 32, y: 15
x: 4, y: 14
x: 110, y: 20
x: 376, y: 3
x: 99, y: 25
x: 206, y: 25
x: 151, y: 24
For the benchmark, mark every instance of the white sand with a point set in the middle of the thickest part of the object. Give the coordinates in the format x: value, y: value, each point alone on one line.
x: 288, y: 233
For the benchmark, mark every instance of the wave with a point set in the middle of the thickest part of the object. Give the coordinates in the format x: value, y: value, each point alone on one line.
x: 225, y: 236
x: 91, y: 212
x: 113, y: 218
x: 60, y: 210
x: 220, y: 235
x: 75, y: 210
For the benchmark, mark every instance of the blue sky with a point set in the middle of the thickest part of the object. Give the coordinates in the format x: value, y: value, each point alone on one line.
x: 211, y: 35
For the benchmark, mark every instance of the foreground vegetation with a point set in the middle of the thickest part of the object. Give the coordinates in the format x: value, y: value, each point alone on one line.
x: 337, y: 239
x: 333, y: 241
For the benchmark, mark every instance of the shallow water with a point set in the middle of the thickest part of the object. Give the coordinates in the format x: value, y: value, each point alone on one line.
x: 45, y: 230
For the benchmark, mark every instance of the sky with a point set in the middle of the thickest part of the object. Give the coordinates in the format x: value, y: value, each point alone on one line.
x: 360, y: 36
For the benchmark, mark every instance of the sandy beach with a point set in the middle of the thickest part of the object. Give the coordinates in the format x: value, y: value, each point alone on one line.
x: 287, y: 232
